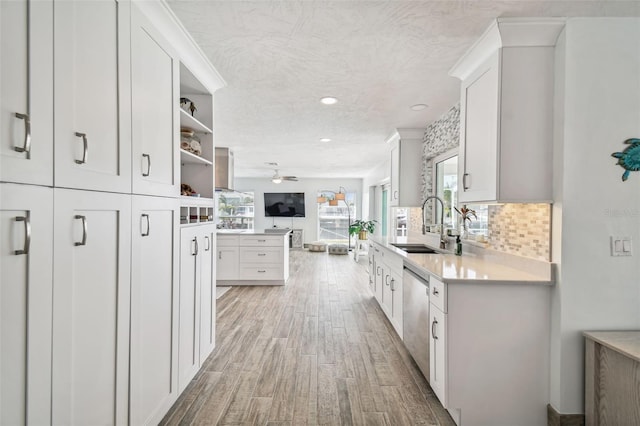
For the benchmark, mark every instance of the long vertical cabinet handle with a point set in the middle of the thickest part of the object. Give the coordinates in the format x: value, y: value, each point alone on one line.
x: 464, y: 181
x: 146, y: 234
x: 27, y: 234
x: 195, y: 245
x: 85, y: 148
x: 393, y: 288
x: 208, y: 246
x: 219, y: 255
x: 84, y: 230
x: 26, y: 146
x: 433, y: 329
x: 148, y: 157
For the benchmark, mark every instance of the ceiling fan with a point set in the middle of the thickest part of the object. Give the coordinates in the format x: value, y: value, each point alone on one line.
x: 277, y: 178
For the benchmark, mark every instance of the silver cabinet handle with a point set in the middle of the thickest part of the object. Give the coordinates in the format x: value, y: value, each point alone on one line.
x: 195, y: 252
x: 378, y: 271
x: 262, y: 241
x: 85, y: 148
x: 148, y: 157
x: 464, y: 181
x: 208, y: 247
x: 146, y: 234
x: 386, y: 279
x: 395, y: 195
x: 84, y: 230
x: 435, y: 291
x: 393, y: 288
x: 261, y: 271
x: 27, y: 234
x: 26, y: 147
x: 219, y: 255
x: 262, y: 254
x: 433, y: 329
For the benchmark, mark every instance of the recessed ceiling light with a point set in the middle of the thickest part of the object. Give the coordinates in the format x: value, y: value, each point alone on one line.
x: 329, y: 100
x: 419, y: 107
x: 325, y: 140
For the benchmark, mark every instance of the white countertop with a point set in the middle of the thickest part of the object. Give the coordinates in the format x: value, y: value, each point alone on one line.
x: 472, y: 268
x: 275, y: 231
x: 624, y: 342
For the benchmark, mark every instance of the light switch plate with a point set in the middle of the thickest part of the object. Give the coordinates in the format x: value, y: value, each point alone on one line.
x: 621, y: 246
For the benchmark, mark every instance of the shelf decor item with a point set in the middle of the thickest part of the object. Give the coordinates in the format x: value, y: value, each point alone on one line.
x: 629, y: 159
x: 362, y: 228
x: 465, y: 215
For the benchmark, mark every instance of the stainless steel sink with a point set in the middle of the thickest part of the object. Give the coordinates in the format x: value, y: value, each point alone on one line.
x: 414, y: 248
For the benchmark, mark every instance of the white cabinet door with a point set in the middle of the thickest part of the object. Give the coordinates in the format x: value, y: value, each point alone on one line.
x: 154, y: 102
x: 207, y: 292
x: 154, y: 307
x: 26, y: 92
x: 92, y: 250
x: 189, y: 318
x: 479, y: 139
x: 26, y: 283
x: 386, y: 292
x: 227, y: 263
x: 395, y: 284
x: 438, y: 354
x: 92, y: 95
x: 379, y: 279
x: 394, y: 198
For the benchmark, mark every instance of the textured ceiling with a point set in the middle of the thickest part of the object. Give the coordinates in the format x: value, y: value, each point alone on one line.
x: 377, y: 57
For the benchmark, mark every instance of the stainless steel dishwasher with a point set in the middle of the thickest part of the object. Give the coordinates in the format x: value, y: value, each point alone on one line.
x: 415, y: 308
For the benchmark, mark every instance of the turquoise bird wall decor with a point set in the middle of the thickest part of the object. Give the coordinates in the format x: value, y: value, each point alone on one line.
x: 629, y: 159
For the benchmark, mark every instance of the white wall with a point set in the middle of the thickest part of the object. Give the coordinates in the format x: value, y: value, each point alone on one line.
x: 600, y: 58
x: 310, y: 187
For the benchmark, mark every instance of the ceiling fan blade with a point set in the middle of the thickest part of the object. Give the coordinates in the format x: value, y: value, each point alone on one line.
x: 291, y: 178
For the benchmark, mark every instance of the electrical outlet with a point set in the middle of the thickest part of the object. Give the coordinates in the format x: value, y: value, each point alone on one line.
x: 621, y: 246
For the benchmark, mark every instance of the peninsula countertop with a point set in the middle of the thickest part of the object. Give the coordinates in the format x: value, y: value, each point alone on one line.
x: 272, y: 231
x: 471, y: 268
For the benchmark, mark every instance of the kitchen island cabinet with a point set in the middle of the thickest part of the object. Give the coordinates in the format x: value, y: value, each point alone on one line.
x: 252, y: 258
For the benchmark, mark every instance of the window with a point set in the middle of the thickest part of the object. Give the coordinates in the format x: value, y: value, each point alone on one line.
x: 445, y: 183
x: 333, y: 221
x: 235, y: 210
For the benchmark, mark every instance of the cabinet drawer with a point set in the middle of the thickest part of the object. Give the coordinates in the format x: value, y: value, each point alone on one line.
x: 228, y: 240
x: 262, y: 241
x: 261, y: 255
x: 438, y: 294
x: 261, y: 272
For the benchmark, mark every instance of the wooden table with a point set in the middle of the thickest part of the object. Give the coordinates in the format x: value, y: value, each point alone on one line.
x: 612, y: 378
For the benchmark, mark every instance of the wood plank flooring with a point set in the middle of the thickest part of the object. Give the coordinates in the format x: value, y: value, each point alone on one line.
x: 318, y: 351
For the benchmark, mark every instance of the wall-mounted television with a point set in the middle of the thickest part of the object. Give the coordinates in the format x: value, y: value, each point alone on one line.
x: 284, y: 204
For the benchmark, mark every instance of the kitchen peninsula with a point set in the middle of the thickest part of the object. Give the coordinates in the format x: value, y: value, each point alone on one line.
x: 249, y: 257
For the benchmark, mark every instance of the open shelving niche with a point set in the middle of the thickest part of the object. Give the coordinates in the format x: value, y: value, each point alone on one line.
x: 197, y: 171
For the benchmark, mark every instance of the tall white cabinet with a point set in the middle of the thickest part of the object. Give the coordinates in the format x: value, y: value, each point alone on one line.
x: 26, y: 267
x: 90, y: 290
x: 91, y: 303
x: 26, y: 93
x: 92, y: 100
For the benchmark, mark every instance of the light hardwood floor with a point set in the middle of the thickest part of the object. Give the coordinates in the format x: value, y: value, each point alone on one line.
x: 316, y: 351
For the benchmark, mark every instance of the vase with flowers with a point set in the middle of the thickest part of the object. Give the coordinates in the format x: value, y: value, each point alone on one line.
x: 465, y: 215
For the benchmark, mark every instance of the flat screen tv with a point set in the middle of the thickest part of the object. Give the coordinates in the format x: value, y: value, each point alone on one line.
x: 284, y: 204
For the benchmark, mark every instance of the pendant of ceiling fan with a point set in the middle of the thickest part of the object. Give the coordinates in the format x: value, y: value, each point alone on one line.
x: 278, y: 179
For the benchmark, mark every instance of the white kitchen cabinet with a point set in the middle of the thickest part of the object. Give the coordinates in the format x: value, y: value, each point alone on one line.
x: 390, y: 265
x: 506, y: 112
x: 154, y: 307
x: 92, y: 100
x: 197, y: 300
x: 438, y: 353
x: 397, y: 315
x: 26, y: 285
x: 227, y: 259
x: 91, y: 307
x: 26, y: 93
x: 154, y: 102
x: 406, y: 166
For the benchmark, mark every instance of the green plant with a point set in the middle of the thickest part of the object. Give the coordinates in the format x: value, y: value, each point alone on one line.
x: 359, y: 225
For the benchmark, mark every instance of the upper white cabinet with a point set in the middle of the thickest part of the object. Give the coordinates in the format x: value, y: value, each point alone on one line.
x: 154, y: 308
x: 506, y: 112
x: 406, y: 166
x: 154, y: 103
x: 26, y: 93
x: 91, y: 308
x: 92, y: 95
x: 26, y: 267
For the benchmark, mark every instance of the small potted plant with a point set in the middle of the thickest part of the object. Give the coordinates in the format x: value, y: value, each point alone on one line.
x: 362, y: 227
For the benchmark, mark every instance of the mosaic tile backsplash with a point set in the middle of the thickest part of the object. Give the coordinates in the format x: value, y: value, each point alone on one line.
x: 521, y: 229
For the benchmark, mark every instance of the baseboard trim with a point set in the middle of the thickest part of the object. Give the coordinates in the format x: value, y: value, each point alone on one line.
x: 556, y: 419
